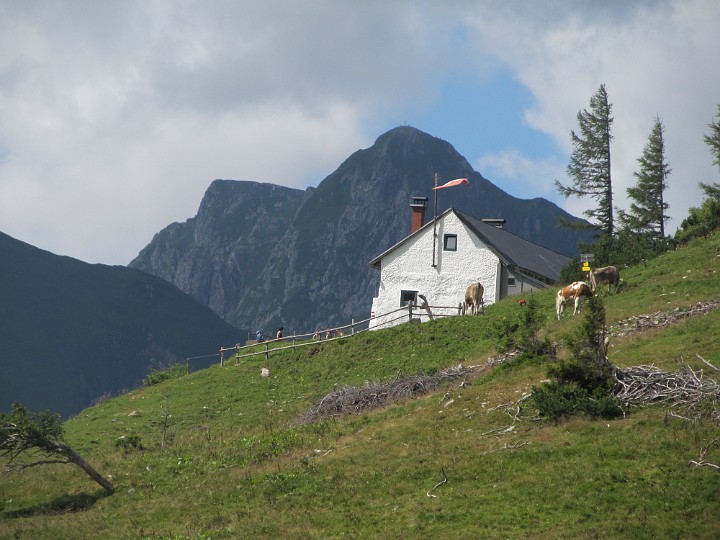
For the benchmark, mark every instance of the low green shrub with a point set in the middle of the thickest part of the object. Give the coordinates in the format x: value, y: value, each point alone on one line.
x: 173, y: 371
x: 582, y: 385
x: 558, y: 401
x: 129, y: 442
x: 521, y: 332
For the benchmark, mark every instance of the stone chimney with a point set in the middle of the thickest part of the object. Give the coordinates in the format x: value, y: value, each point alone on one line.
x: 418, y: 206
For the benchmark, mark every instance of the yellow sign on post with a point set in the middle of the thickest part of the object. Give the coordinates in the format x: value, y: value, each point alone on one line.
x: 586, y: 267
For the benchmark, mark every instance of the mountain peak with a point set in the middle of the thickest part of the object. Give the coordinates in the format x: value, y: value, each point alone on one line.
x: 411, y: 137
x: 301, y: 259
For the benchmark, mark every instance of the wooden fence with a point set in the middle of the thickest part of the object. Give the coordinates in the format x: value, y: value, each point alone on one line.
x: 410, y: 313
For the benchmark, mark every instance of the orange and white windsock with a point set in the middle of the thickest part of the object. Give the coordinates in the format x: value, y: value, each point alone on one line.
x: 452, y: 183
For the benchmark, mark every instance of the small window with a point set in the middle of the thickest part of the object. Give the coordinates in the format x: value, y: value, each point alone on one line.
x: 450, y: 242
x: 408, y: 297
x: 511, y: 282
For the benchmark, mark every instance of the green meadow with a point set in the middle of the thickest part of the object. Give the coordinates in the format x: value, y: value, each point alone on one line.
x: 220, y: 453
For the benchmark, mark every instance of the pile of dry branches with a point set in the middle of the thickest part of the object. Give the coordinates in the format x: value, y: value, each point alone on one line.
x: 686, y: 390
x: 661, y: 319
x: 352, y: 400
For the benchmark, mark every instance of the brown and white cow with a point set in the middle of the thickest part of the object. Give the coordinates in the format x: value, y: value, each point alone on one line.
x: 575, y: 291
x: 607, y: 274
x: 474, y: 299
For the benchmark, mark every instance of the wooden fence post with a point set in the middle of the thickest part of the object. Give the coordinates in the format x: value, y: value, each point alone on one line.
x: 222, y: 361
x: 267, y: 350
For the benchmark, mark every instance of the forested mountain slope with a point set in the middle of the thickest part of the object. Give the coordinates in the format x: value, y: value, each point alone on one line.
x: 71, y: 332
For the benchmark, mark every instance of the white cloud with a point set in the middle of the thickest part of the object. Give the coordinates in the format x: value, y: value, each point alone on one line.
x: 521, y: 176
x: 111, y: 131
x: 115, y: 116
x: 656, y: 58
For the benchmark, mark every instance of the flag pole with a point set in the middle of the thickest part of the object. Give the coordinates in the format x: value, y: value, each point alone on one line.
x: 435, y: 222
x: 451, y: 183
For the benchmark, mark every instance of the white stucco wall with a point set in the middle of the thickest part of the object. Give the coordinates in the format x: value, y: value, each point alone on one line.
x: 409, y: 268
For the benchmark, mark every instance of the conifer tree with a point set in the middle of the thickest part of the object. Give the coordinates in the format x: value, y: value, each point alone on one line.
x: 713, y: 139
x: 648, y: 210
x: 705, y: 219
x: 589, y: 166
x: 712, y: 191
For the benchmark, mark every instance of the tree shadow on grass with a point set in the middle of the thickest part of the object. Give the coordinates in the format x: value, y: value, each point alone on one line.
x: 61, y: 505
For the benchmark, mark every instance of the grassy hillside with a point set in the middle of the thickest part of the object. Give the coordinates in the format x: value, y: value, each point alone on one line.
x: 457, y: 463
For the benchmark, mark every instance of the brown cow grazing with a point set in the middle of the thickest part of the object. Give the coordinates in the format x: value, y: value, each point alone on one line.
x: 608, y: 274
x: 474, y: 299
x: 575, y: 291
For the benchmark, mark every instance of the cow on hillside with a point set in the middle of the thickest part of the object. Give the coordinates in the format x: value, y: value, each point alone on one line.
x: 575, y: 291
x: 608, y: 274
x: 474, y: 299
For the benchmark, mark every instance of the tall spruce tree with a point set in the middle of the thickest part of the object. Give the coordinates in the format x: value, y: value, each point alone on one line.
x: 589, y: 166
x: 712, y: 191
x: 713, y: 139
x: 647, y: 213
x: 705, y: 219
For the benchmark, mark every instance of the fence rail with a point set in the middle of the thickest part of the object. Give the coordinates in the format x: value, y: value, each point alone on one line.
x: 410, y: 313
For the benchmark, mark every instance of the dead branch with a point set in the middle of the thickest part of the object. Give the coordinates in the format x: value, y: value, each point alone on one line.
x: 707, y: 363
x: 675, y: 415
x: 513, y: 405
x: 700, y: 462
x: 440, y: 483
x: 507, y: 446
x: 499, y: 431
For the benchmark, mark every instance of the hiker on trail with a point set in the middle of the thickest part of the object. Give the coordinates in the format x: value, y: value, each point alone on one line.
x: 259, y: 336
x: 280, y: 332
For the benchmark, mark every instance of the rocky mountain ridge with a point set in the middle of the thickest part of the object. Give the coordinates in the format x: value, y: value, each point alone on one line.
x: 262, y: 255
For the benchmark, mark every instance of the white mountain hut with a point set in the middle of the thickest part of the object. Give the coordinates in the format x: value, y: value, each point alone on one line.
x: 441, y: 258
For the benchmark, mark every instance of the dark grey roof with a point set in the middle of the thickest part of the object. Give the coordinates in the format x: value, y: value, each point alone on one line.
x: 518, y: 254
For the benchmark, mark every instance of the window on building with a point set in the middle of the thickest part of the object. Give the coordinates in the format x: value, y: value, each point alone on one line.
x: 511, y: 282
x: 450, y: 242
x: 408, y: 296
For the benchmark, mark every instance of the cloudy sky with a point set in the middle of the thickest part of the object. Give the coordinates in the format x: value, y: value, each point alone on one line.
x: 115, y: 116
